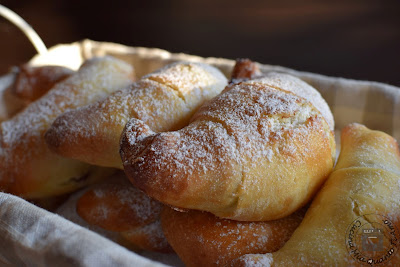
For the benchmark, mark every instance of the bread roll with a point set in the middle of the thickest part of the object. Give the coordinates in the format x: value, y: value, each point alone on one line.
x: 201, y: 239
x: 133, y: 218
x: 27, y: 167
x: 255, y: 152
x: 164, y: 99
x: 355, y: 219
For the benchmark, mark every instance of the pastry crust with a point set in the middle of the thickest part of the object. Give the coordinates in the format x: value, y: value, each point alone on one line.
x: 299, y: 88
x: 202, y: 239
x: 125, y: 212
x: 27, y: 167
x: 33, y: 82
x: 253, y: 153
x: 363, y: 189
x: 25, y: 85
x: 165, y: 100
x: 245, y: 70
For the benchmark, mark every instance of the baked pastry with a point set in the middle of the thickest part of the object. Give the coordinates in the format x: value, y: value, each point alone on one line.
x: 10, y: 104
x: 29, y: 84
x: 202, y: 239
x: 256, y: 152
x: 244, y: 70
x: 32, y: 82
x: 355, y: 218
x: 164, y: 99
x: 133, y: 218
x: 27, y: 167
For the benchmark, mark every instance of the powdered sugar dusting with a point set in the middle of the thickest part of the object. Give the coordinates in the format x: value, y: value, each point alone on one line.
x: 258, y: 260
x: 181, y: 76
x: 222, y: 240
x: 371, y: 148
x: 164, y: 100
x: 228, y: 139
x: 144, y: 232
x: 21, y: 137
x: 153, y: 235
x: 255, y: 115
x: 117, y: 205
x: 300, y: 88
x: 238, y: 124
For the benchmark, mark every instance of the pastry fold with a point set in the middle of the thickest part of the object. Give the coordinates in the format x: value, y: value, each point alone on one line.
x: 256, y: 152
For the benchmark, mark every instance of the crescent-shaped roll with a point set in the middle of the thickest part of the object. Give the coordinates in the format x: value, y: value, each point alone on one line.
x: 355, y: 218
x: 165, y: 100
x: 27, y: 167
x: 202, y: 239
x: 255, y: 152
x: 126, y: 213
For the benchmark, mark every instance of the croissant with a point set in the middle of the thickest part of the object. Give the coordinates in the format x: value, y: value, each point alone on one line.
x: 201, y: 239
x: 255, y: 152
x: 27, y: 167
x: 164, y: 99
x: 355, y: 218
x: 126, y: 213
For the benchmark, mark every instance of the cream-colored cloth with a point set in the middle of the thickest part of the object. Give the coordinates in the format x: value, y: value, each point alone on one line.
x: 30, y: 236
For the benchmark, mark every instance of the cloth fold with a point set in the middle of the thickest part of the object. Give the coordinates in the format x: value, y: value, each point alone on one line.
x: 31, y: 236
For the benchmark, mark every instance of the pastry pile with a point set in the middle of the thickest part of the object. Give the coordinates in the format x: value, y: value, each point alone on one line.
x: 360, y: 197
x: 183, y: 161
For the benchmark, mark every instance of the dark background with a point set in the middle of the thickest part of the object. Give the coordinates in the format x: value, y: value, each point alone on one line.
x: 357, y: 39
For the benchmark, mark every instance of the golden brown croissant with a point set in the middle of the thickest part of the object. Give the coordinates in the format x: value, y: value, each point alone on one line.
x: 201, y: 239
x: 355, y: 218
x: 27, y: 167
x: 116, y: 206
x: 164, y: 99
x: 255, y: 152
